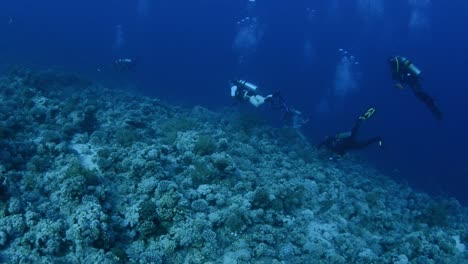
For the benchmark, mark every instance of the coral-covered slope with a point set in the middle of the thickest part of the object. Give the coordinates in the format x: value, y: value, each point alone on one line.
x: 91, y: 175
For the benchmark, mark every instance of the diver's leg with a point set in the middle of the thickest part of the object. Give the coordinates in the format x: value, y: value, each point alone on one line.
x: 257, y: 100
x: 359, y: 120
x: 277, y: 101
x: 355, y: 128
x: 268, y: 98
x: 428, y: 100
x: 366, y: 143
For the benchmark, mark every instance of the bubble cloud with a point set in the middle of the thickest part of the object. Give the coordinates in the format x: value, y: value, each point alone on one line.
x: 346, y: 75
x: 249, y: 33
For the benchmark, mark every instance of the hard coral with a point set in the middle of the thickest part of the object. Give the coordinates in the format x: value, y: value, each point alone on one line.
x: 204, y: 145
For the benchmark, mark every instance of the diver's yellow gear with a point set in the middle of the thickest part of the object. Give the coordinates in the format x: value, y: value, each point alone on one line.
x: 368, y: 114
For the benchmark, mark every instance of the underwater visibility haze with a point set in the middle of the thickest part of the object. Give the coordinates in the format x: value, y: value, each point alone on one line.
x: 234, y: 131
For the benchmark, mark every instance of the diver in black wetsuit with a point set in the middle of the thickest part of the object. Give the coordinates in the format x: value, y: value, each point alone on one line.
x: 290, y: 116
x: 343, y: 142
x: 244, y: 91
x: 405, y: 72
x: 124, y: 64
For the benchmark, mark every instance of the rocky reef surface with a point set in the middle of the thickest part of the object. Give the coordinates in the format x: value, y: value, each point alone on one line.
x: 92, y: 175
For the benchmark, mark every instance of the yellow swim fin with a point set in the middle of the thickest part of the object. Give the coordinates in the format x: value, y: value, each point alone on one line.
x: 368, y: 113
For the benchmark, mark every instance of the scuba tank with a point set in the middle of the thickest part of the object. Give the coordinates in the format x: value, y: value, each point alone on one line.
x: 249, y: 86
x: 408, y: 64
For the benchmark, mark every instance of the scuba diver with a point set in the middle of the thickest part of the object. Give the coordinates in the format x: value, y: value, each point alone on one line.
x: 292, y: 117
x: 343, y: 142
x: 124, y: 64
x: 405, y: 72
x: 244, y: 91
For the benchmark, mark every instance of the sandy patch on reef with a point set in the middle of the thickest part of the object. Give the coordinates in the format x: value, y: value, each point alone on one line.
x: 87, y: 155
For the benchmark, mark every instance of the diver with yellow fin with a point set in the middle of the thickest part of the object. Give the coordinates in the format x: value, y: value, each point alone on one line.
x: 345, y: 141
x: 405, y: 72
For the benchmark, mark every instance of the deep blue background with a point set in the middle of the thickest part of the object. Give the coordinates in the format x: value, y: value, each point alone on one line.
x: 185, y: 52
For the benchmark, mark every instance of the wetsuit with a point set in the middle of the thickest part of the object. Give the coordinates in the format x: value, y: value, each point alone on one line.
x: 343, y: 142
x: 245, y: 91
x: 243, y: 94
x: 290, y: 116
x: 401, y: 73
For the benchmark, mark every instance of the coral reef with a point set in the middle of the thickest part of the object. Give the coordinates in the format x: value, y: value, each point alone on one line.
x: 92, y: 175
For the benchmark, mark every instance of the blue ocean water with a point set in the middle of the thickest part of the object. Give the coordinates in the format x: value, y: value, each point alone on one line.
x: 188, y: 50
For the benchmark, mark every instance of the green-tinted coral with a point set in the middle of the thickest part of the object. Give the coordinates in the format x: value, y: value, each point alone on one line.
x: 89, y: 121
x: 261, y: 198
x: 175, y: 125
x: 91, y: 177
x: 288, y: 199
x: 6, y: 131
x: 148, y: 228
x: 293, y: 196
x: 168, y: 205
x: 235, y: 222
x: 147, y: 211
x: 3, y: 209
x: 29, y: 181
x: 287, y: 135
x: 48, y: 79
x: 245, y: 122
x: 202, y: 174
x: 104, y: 160
x: 180, y: 124
x: 464, y: 238
x: 120, y: 256
x: 38, y: 164
x: 204, y: 145
x: 308, y: 155
x: 222, y: 162
x: 436, y: 214
x: 372, y: 198
x: 126, y: 137
x: 325, y: 206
